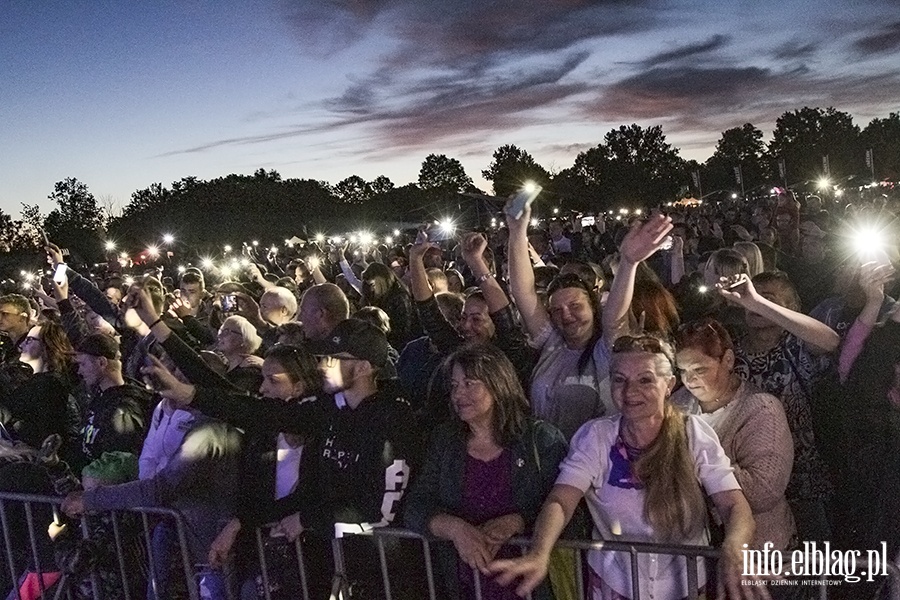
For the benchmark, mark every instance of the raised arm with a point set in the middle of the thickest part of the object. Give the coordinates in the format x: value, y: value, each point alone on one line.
x: 521, y: 276
x: 473, y: 247
x: 872, y: 279
x: 820, y: 337
x: 639, y: 244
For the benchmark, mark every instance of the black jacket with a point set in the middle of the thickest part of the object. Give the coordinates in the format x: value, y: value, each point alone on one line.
x: 363, y: 456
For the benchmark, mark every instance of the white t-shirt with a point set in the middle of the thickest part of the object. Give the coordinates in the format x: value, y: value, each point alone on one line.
x: 287, y: 467
x: 618, y: 510
x: 563, y: 396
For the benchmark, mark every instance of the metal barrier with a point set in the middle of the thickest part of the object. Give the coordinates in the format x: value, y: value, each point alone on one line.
x: 24, y: 558
x: 691, y: 554
x: 27, y: 523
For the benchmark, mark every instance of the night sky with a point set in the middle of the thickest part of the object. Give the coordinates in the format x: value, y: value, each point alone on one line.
x: 123, y: 94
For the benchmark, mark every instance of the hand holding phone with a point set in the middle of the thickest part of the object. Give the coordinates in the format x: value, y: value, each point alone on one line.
x: 59, y: 275
x: 522, y: 200
x: 229, y: 303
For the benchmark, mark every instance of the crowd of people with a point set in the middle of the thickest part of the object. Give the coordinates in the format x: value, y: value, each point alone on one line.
x: 724, y: 374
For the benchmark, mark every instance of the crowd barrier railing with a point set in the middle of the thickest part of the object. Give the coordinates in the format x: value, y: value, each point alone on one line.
x: 692, y: 554
x: 31, y: 523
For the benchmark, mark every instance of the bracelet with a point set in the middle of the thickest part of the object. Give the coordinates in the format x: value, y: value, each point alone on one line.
x: 483, y: 278
x: 156, y: 322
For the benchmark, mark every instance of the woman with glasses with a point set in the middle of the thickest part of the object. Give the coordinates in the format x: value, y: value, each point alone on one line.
x: 645, y: 475
x: 750, y: 424
x: 569, y: 383
x: 238, y: 342
x: 40, y: 406
x: 485, y: 474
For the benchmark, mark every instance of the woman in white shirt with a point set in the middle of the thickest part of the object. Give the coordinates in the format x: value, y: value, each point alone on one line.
x: 643, y: 474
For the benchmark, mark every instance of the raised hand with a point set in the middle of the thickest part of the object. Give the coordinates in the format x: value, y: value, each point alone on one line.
x: 645, y: 238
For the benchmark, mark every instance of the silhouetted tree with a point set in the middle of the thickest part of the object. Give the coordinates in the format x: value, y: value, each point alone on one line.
x: 511, y: 168
x: 804, y: 136
x: 883, y: 137
x: 738, y: 146
x: 444, y: 174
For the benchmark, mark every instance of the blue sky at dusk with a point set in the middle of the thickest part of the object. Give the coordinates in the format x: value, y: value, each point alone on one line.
x: 125, y: 94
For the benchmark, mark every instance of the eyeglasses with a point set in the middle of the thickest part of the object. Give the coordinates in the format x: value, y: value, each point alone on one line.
x: 30, y: 339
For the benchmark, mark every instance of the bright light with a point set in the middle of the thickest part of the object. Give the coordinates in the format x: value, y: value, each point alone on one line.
x: 22, y: 273
x: 320, y: 237
x: 396, y: 232
x: 245, y: 262
x: 123, y: 255
x: 110, y: 245
x: 26, y: 286
x: 225, y: 270
x: 29, y: 276
x: 618, y: 217
x: 182, y: 268
x: 868, y: 240
x: 702, y: 289
x: 227, y: 248
x: 534, y: 222
x: 168, y: 238
x: 288, y: 243
x: 255, y: 243
x: 206, y: 263
x: 388, y: 240
x: 129, y: 280
x: 823, y: 183
x: 623, y: 211
x: 637, y: 211
x: 555, y: 211
x: 365, y: 238
x: 274, y: 249
x: 774, y: 191
x: 313, y: 262
x: 153, y: 251
x: 734, y: 196
x: 448, y: 225
x: 838, y: 193
x: 529, y: 186
x: 353, y: 239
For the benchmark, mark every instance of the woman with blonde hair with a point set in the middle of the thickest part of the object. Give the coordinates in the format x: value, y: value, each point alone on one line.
x: 752, y: 255
x: 645, y: 476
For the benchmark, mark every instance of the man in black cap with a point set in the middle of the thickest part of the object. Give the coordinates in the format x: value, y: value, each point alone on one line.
x: 116, y: 415
x: 365, y: 438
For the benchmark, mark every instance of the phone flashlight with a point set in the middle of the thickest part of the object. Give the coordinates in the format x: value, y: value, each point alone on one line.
x: 59, y: 276
x: 523, y: 200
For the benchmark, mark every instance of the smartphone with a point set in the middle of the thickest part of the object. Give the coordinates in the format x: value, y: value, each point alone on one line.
x: 229, y: 303
x: 523, y: 200
x: 588, y: 221
x: 44, y: 235
x: 59, y: 276
x: 667, y: 243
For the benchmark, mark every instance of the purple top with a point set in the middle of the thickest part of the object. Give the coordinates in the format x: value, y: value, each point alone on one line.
x: 487, y: 494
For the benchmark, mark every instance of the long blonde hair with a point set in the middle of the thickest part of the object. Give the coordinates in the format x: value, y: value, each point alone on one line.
x: 674, y: 503
x: 673, y: 499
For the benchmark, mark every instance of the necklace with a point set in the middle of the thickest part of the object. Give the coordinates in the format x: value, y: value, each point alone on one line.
x: 713, y: 405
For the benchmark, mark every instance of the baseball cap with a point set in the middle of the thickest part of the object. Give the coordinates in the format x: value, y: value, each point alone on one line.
x: 356, y: 338
x: 99, y: 344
